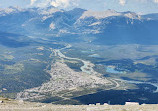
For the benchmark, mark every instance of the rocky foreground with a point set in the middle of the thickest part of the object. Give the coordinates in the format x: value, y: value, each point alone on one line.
x: 15, y: 105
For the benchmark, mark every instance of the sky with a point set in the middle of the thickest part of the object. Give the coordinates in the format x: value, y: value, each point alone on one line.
x: 138, y: 6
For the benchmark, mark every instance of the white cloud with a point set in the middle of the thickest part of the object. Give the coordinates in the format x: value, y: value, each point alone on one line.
x: 32, y: 2
x: 40, y: 3
x: 55, y: 3
x: 156, y: 1
x: 64, y: 3
x: 59, y: 3
x: 122, y: 2
x: 147, y: 1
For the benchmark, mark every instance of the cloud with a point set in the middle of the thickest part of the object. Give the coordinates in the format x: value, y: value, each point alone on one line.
x: 60, y: 3
x: 55, y: 3
x: 122, y: 2
x: 156, y: 1
x: 40, y: 3
x: 64, y: 3
x: 147, y: 1
x: 32, y: 2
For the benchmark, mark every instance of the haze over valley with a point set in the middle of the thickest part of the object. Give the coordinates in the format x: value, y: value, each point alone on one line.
x: 78, y: 56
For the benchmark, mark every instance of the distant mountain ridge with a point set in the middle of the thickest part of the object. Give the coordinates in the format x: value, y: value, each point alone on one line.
x: 109, y: 27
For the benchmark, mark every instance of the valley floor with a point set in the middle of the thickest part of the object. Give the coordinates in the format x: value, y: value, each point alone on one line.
x: 66, y: 84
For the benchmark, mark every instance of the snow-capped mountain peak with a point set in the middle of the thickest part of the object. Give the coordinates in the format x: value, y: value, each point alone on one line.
x: 132, y: 15
x: 48, y: 10
x: 10, y: 10
x: 99, y: 14
x: 108, y: 13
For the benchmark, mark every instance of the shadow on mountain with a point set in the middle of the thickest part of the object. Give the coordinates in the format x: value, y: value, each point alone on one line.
x: 119, y: 32
x: 142, y: 95
x: 12, y: 40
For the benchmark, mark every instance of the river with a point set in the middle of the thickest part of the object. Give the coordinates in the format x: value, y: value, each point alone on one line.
x: 87, y: 67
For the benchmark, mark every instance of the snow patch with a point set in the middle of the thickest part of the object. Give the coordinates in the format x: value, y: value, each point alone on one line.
x: 99, y: 15
x: 46, y: 17
x: 49, y: 12
x: 108, y: 13
x: 95, y: 23
x: 63, y: 31
x: 52, y: 26
x: 132, y: 16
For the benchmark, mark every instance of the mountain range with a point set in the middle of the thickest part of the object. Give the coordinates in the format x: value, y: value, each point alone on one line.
x: 107, y: 27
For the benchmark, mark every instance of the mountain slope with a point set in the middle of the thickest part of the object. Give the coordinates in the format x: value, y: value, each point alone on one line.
x: 108, y: 27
